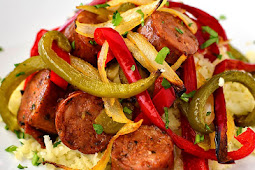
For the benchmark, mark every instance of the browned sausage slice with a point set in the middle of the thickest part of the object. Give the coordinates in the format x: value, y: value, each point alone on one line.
x: 39, y: 102
x: 146, y: 148
x: 83, y: 48
x: 164, y: 30
x: 74, y: 122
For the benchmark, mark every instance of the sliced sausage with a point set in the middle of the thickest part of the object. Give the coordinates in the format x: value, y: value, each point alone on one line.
x: 83, y: 48
x: 36, y: 134
x: 39, y: 103
x: 74, y: 122
x: 146, y: 148
x: 161, y: 29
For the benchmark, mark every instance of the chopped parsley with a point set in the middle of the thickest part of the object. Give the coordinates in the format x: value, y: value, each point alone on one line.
x: 2, y: 80
x: 166, y: 116
x: 222, y: 17
x: 98, y: 128
x: 219, y: 56
x: 20, y: 135
x: 185, y: 97
x: 239, y: 131
x: 165, y: 83
x: 162, y: 55
x: 127, y: 110
x: 214, y: 37
x: 73, y: 45
x: 125, y: 34
x: 35, y: 159
x: 33, y: 107
x: 56, y: 144
x: 199, y: 138
x: 190, y: 24
x: 101, y: 5
x: 142, y: 16
x: 16, y: 65
x: 163, y: 22
x: 182, y: 23
x: 11, y: 148
x: 92, y: 42
x: 21, y: 167
x: 20, y: 73
x: 179, y: 30
x: 208, y: 113
x: 81, y: 4
x: 133, y: 68
x: 207, y: 127
x: 116, y: 18
x: 6, y: 127
x: 1, y: 49
x: 230, y: 55
x: 167, y: 4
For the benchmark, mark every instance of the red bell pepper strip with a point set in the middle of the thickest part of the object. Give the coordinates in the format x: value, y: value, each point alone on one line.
x: 109, y: 56
x: 126, y: 61
x: 96, y: 2
x: 190, y: 162
x: 146, y: 120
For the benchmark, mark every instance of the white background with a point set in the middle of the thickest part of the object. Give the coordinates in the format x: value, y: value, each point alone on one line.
x: 21, y: 19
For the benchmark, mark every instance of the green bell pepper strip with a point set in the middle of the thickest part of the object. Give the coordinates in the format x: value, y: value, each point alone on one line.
x: 11, y: 82
x: 82, y: 82
x: 196, y: 113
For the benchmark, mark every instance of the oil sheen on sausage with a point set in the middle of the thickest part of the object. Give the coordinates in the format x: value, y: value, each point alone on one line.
x: 146, y: 148
x: 84, y: 47
x: 164, y: 30
x: 39, y: 103
x: 74, y: 122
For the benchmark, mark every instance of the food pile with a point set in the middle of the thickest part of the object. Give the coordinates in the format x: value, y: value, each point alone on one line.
x: 133, y: 85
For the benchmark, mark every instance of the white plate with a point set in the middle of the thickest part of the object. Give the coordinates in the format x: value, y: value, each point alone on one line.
x: 20, y: 21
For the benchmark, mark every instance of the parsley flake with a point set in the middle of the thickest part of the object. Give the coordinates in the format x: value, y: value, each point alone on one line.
x: 127, y: 110
x: 20, y: 135
x: 1, y: 49
x: 142, y: 16
x: 179, y: 30
x: 162, y: 55
x: 207, y: 127
x: 116, y: 18
x: 19, y: 74
x: 125, y: 34
x: 165, y: 83
x: 73, y: 45
x: 167, y: 4
x: 133, y: 68
x: 92, y: 42
x: 98, y: 128
x: 11, y: 148
x: 56, y: 144
x: 230, y: 55
x: 190, y: 24
x: 35, y: 159
x: 185, y: 97
x: 208, y: 113
x: 222, y: 17
x: 16, y: 65
x: 219, y: 56
x: 166, y: 116
x: 6, y: 127
x: 21, y: 167
x: 199, y: 138
x: 209, y: 42
x: 101, y: 5
x: 239, y: 131
x: 214, y: 37
x: 81, y: 4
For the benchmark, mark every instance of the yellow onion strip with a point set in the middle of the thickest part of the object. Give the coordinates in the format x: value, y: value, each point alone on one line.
x: 130, y: 19
x: 113, y: 108
x: 192, y: 26
x: 179, y: 62
x: 150, y: 54
x: 126, y: 129
x: 114, y: 3
x: 102, y: 12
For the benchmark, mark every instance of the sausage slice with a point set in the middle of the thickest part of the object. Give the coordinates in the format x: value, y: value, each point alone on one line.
x: 83, y: 48
x: 164, y: 30
x: 74, y: 122
x: 146, y: 148
x: 39, y: 103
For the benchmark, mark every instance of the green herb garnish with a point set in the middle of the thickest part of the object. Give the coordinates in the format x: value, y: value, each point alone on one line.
x: 222, y: 17
x: 165, y: 83
x: 190, y: 24
x: 92, y: 42
x: 207, y: 127
x: 98, y: 128
x: 81, y: 4
x: 19, y: 74
x: 208, y: 113
x: 11, y: 148
x: 239, y: 131
x: 1, y: 49
x: 125, y: 34
x: 230, y: 55
x: 101, y: 5
x: 6, y: 127
x: 116, y: 18
x: 56, y: 144
x: 35, y: 159
x: 167, y: 4
x: 185, y: 97
x: 162, y: 55
x: 178, y: 30
x: 142, y: 16
x: 166, y: 116
x: 127, y: 110
x: 16, y: 65
x: 73, y: 45
x: 214, y: 37
x: 199, y: 138
x: 21, y: 167
x: 20, y: 135
x: 133, y: 68
x: 219, y: 56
